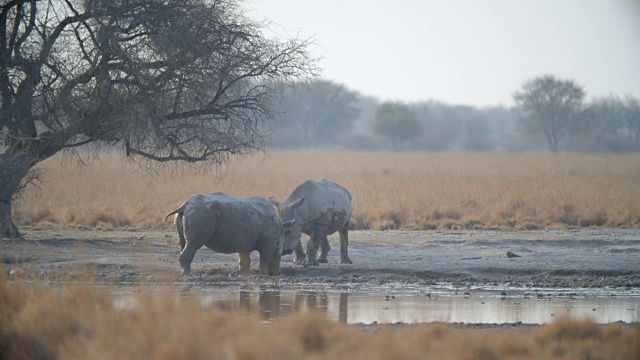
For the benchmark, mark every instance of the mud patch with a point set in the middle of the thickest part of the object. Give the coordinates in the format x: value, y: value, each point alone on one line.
x: 624, y: 251
x: 16, y: 259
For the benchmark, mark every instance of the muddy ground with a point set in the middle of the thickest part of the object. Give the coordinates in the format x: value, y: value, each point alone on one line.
x: 550, y: 263
x: 584, y: 258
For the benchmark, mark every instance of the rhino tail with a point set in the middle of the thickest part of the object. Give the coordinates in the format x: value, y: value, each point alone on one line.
x: 179, y: 210
x: 178, y: 221
x: 182, y: 242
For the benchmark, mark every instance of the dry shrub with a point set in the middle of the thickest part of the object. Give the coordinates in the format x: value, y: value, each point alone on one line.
x: 594, y: 218
x: 69, y: 216
x: 427, y: 225
x: 409, y: 190
x: 314, y: 333
x: 582, y: 339
x: 37, y: 321
x: 526, y: 226
x: 472, y: 224
x: 82, y: 323
x: 391, y: 220
x: 104, y: 220
x: 566, y: 330
x: 510, y: 209
x: 41, y: 215
x: 359, y: 222
x: 448, y: 225
x: 565, y: 214
x: 447, y: 214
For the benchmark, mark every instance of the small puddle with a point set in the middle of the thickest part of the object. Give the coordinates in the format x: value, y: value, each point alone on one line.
x: 412, y: 306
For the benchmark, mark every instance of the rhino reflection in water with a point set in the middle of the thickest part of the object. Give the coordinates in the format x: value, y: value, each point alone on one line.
x: 228, y: 225
x: 318, y: 208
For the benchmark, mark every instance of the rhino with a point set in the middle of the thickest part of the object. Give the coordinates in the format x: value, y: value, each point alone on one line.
x: 228, y: 225
x: 318, y: 208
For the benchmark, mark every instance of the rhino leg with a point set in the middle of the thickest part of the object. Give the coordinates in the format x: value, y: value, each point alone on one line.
x: 198, y: 227
x: 319, y: 232
x: 299, y: 254
x: 244, y: 262
x: 186, y: 256
x: 265, y: 259
x: 324, y: 250
x: 274, y: 264
x: 344, y: 244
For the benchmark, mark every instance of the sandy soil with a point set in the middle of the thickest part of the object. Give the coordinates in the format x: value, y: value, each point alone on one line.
x: 584, y: 258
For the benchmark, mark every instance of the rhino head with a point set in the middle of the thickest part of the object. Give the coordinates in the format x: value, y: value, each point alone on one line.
x: 292, y: 227
x: 288, y: 243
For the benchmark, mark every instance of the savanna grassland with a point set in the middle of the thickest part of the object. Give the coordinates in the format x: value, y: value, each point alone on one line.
x: 39, y: 322
x: 60, y: 319
x: 403, y: 190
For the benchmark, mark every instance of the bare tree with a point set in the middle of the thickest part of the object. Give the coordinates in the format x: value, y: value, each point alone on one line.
x: 164, y: 80
x: 551, y: 106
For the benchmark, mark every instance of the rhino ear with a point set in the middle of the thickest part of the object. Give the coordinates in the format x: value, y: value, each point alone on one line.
x: 289, y: 223
x: 274, y: 201
x: 296, y: 203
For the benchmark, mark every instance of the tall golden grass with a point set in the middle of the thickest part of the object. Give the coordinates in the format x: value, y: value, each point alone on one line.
x: 38, y: 322
x: 408, y: 190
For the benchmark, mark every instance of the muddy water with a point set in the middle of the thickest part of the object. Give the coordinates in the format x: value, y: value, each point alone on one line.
x: 438, y: 304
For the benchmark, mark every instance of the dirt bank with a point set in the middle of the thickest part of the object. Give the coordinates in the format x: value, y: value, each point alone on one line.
x: 584, y: 258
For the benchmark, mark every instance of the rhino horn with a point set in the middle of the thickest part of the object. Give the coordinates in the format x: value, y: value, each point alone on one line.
x: 289, y: 223
x: 274, y: 201
x: 296, y: 203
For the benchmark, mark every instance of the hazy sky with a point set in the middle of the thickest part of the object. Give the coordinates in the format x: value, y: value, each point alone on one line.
x: 474, y: 52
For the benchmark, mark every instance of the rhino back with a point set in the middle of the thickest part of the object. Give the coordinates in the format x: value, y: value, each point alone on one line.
x: 239, y: 224
x: 325, y: 203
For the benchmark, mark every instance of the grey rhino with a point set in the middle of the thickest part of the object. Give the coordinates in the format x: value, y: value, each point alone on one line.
x: 319, y: 208
x: 227, y: 225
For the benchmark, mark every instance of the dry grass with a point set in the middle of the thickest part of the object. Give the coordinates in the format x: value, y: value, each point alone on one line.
x: 81, y: 323
x: 408, y: 190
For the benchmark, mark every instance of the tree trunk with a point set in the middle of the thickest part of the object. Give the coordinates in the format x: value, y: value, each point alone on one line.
x: 14, y: 176
x: 553, y: 141
x: 7, y: 227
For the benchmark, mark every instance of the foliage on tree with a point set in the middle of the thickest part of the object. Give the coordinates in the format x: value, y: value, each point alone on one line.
x: 551, y: 106
x: 164, y: 80
x: 605, y: 115
x: 397, y: 122
x: 315, y: 114
x: 631, y: 117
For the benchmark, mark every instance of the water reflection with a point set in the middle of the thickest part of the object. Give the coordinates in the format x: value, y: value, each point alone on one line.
x: 274, y: 304
x: 419, y: 307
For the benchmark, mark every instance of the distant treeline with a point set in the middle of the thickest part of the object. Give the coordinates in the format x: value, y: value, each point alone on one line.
x: 550, y: 114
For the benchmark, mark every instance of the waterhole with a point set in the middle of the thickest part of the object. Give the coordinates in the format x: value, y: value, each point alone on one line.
x: 425, y: 305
